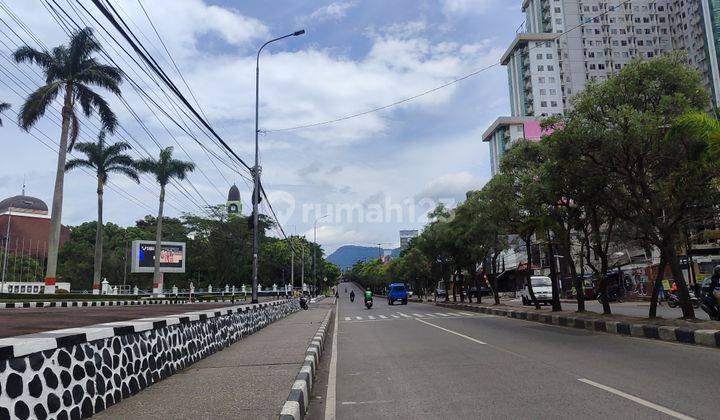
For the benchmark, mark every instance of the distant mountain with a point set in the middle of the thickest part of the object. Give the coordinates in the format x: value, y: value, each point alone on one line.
x: 347, y: 255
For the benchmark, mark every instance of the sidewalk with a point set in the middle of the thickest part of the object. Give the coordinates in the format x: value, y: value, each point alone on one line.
x: 590, y: 315
x: 248, y: 380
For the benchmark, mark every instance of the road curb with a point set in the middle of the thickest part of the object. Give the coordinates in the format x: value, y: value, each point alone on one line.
x: 96, y: 303
x: 709, y: 338
x: 298, y: 400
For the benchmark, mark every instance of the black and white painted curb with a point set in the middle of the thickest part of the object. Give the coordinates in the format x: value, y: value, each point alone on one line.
x: 88, y: 303
x: 709, y: 338
x: 297, y: 402
x: 91, y: 303
x: 77, y: 372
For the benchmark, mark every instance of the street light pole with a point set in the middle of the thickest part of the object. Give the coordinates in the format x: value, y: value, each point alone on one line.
x: 256, y: 168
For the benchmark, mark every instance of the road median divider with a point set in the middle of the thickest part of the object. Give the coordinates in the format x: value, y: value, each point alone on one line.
x: 299, y: 398
x: 78, y: 372
x: 635, y: 328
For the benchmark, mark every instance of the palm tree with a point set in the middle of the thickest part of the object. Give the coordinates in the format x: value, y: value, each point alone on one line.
x: 4, y: 106
x: 164, y: 169
x: 69, y: 70
x: 104, y: 160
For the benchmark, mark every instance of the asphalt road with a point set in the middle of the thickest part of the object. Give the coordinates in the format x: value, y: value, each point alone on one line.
x: 422, y: 361
x: 20, y: 321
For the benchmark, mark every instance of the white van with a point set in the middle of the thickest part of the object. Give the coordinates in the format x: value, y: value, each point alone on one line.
x: 542, y: 287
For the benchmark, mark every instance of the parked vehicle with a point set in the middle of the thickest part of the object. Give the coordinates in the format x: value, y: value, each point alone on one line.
x: 397, y: 291
x: 673, y: 300
x: 484, y: 291
x: 613, y: 294
x: 542, y: 288
x: 440, y: 290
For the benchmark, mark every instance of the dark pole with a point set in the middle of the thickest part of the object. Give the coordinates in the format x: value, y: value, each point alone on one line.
x: 256, y: 168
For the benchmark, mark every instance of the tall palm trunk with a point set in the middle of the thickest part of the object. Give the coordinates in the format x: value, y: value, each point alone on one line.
x: 97, y: 274
x: 157, y: 282
x: 56, y: 214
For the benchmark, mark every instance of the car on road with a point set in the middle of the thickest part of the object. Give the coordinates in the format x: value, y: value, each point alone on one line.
x: 440, y: 290
x: 397, y: 291
x: 484, y: 291
x: 542, y: 288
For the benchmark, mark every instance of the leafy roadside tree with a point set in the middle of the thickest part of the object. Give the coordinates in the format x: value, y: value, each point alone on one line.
x: 69, y: 71
x: 630, y: 130
x: 520, y: 181
x: 104, y: 160
x: 581, y: 193
x: 165, y: 169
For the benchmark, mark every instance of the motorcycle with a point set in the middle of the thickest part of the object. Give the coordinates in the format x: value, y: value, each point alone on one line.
x: 368, y: 303
x: 303, y: 302
x: 710, y: 307
x: 673, y: 300
x: 612, y: 294
x: 352, y: 298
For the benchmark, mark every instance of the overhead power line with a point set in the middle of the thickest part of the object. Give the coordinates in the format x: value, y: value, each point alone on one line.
x: 435, y: 89
x: 157, y: 70
x: 68, y: 24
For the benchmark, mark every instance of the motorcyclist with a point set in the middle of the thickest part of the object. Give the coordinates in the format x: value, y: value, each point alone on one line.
x: 368, y: 294
x: 352, y: 296
x: 711, y: 298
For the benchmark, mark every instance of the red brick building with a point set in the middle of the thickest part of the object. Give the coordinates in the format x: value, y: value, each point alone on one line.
x: 25, y: 226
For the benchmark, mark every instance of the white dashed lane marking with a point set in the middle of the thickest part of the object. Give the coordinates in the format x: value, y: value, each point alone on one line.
x: 403, y: 316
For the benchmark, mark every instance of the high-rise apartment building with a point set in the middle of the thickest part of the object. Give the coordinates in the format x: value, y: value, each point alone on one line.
x: 406, y: 236
x: 568, y: 43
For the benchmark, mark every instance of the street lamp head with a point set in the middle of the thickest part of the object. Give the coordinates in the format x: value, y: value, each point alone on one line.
x: 300, y: 32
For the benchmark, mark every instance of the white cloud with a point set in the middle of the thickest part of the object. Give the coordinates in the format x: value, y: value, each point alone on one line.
x: 462, y: 7
x: 452, y: 186
x: 182, y: 25
x: 333, y: 11
x: 312, y: 85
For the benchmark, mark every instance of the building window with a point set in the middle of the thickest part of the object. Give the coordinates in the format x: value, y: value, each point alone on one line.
x: 541, y: 68
x: 543, y: 103
x: 553, y: 103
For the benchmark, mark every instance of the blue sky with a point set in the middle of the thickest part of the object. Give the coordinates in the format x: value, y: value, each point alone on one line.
x: 372, y: 175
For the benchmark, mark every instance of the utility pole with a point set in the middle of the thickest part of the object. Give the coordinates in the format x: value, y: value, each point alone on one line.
x: 125, y: 264
x: 315, y: 279
x: 302, y: 268
x: 256, y: 168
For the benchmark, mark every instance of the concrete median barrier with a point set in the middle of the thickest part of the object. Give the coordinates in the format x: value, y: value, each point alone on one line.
x: 78, y: 372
